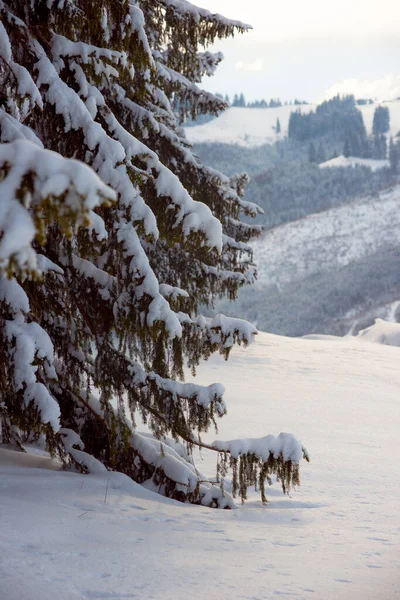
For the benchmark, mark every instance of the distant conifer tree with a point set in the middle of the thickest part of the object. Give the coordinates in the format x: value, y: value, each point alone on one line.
x: 381, y: 120
x: 394, y: 156
x: 312, y: 153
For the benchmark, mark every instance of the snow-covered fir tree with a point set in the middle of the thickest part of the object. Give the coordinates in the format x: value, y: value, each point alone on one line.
x: 112, y: 234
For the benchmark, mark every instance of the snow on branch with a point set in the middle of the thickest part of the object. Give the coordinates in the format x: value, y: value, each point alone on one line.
x: 230, y: 330
x: 253, y: 461
x: 38, y: 185
x: 229, y: 193
x: 13, y: 295
x: 207, y: 397
x: 61, y: 46
x: 147, y: 283
x: 208, y: 63
x: 198, y: 14
x: 285, y: 445
x: 11, y: 129
x: 170, y: 460
x: 28, y: 346
x: 191, y: 215
x: 182, y: 83
x: 114, y: 153
x: 82, y: 460
x: 232, y: 243
x: 24, y: 84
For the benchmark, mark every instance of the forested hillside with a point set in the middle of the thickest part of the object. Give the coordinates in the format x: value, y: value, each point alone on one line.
x: 332, y: 272
x: 287, y: 180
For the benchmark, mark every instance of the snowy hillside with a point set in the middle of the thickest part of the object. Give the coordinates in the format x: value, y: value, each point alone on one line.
x: 330, y: 272
x: 245, y: 126
x: 328, y: 240
x: 255, y: 126
x: 350, y: 161
x: 75, y: 537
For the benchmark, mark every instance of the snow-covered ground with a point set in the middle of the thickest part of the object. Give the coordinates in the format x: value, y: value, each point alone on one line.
x: 351, y: 161
x: 251, y: 127
x: 381, y: 332
x: 337, y: 537
x: 328, y: 240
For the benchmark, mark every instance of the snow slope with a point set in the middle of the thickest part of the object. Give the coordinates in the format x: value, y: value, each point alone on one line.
x: 247, y: 127
x: 337, y: 537
x: 381, y: 332
x: 251, y: 127
x: 350, y: 161
x: 328, y: 240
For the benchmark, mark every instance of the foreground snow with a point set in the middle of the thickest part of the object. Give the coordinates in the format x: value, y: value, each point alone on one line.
x: 251, y: 127
x: 69, y: 536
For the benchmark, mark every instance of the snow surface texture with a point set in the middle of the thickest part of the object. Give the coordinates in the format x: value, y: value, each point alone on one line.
x: 351, y: 161
x: 348, y: 233
x: 251, y: 127
x: 76, y: 537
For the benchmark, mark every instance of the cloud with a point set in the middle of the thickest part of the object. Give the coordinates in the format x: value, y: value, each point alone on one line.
x: 256, y: 65
x: 386, y: 88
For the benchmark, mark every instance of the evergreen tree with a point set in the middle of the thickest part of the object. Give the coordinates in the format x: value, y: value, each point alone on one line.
x: 103, y: 265
x: 312, y: 153
x: 278, y: 126
x: 394, y: 156
x: 321, y: 153
x: 346, y: 148
x: 379, y: 147
x: 381, y: 120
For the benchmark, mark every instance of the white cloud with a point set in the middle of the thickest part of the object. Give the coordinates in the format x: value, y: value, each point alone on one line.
x: 386, y: 88
x: 256, y: 65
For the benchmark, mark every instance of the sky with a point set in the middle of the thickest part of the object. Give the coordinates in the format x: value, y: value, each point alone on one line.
x: 310, y: 49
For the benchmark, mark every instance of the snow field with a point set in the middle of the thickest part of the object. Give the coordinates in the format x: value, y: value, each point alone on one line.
x: 351, y: 161
x: 69, y: 536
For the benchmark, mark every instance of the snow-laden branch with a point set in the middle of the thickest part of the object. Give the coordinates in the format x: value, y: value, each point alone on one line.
x: 184, y: 7
x: 203, y: 98
x: 37, y: 184
x: 28, y: 344
x: 11, y: 129
x: 285, y: 445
